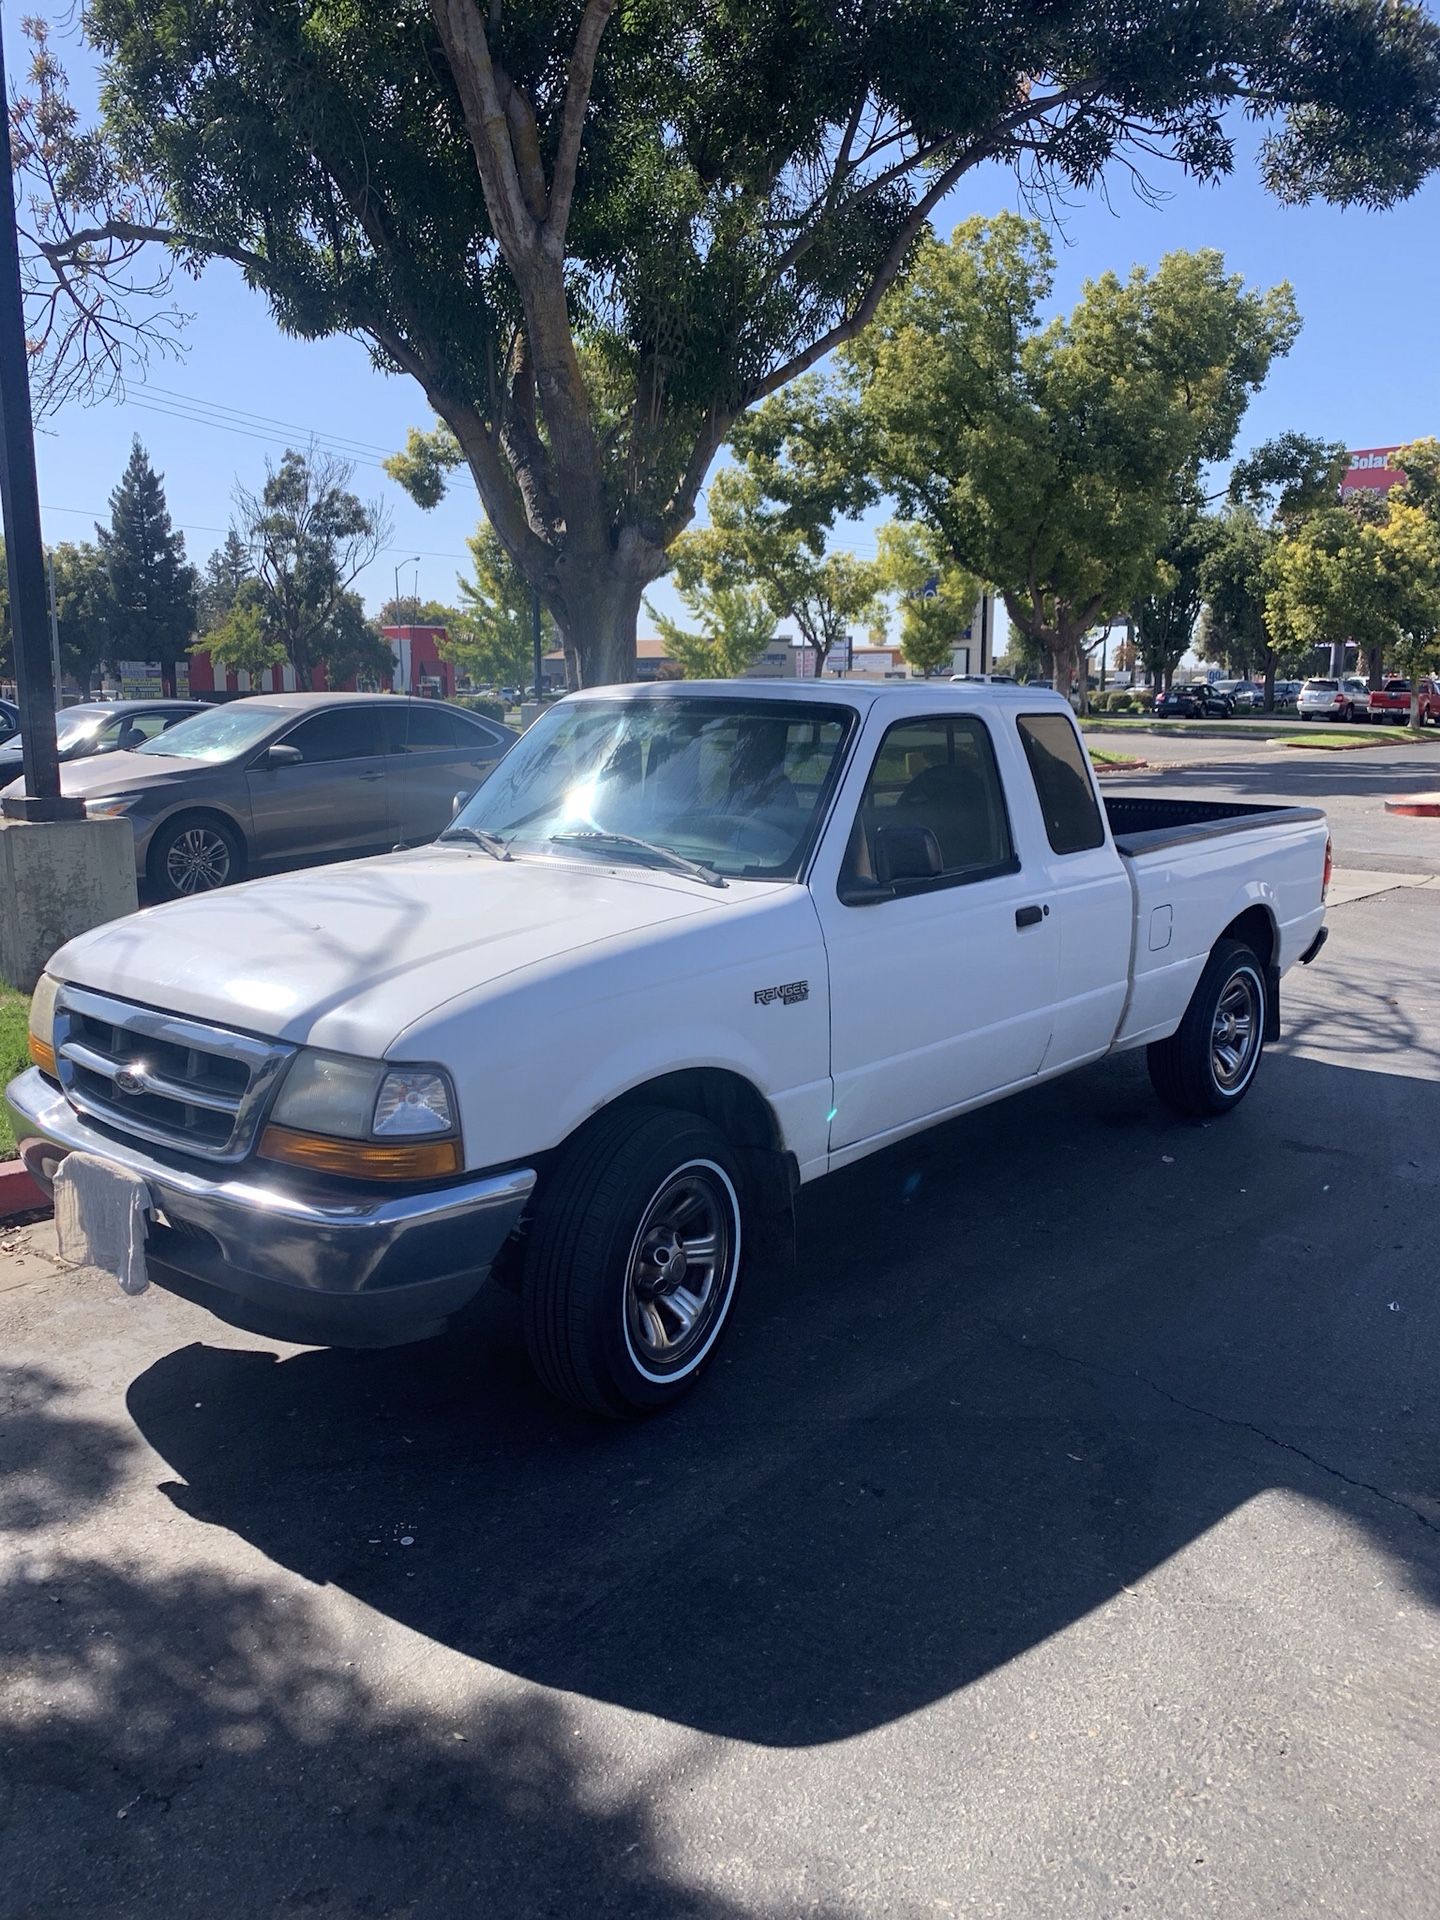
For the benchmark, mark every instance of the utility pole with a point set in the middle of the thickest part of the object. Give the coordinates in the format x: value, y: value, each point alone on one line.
x: 24, y: 549
x: 535, y: 641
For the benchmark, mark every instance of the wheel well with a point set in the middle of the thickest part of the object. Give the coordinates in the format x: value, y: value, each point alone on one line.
x: 727, y: 1099
x: 182, y: 816
x: 743, y: 1114
x: 1256, y: 929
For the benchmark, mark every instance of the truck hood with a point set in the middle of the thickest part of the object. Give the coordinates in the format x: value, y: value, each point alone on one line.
x: 348, y: 957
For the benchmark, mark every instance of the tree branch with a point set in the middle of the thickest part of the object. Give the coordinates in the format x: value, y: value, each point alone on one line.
x: 467, y: 52
x: 572, y: 118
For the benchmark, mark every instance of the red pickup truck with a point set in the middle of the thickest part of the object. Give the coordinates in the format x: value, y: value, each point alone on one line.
x: 1392, y: 702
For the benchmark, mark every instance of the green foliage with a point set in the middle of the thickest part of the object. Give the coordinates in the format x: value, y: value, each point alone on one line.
x: 309, y: 537
x: 492, y: 636
x: 1336, y: 578
x: 736, y: 626
x: 83, y: 610
x: 797, y: 471
x: 912, y: 560
x: 357, y: 650
x: 227, y: 570
x: 479, y: 703
x: 594, y: 234
x: 242, y: 637
x: 152, y: 585
x: 1054, y: 458
x: 406, y: 612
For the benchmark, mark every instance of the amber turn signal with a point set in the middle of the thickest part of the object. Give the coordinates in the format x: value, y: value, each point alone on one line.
x: 360, y: 1159
x: 43, y: 1056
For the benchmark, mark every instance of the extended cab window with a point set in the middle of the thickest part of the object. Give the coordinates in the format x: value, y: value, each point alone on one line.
x: 933, y: 801
x: 1062, y: 780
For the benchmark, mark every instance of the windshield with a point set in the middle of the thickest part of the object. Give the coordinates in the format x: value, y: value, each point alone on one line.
x: 217, y: 735
x: 738, y: 785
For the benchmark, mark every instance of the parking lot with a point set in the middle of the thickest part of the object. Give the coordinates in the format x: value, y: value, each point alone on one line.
x: 1060, y: 1535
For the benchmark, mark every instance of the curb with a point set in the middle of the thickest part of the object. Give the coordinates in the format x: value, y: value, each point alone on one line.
x: 18, y: 1192
x: 1420, y: 806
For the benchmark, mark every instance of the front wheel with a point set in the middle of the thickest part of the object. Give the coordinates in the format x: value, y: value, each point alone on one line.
x: 632, y: 1261
x: 194, y: 854
x: 1209, y: 1063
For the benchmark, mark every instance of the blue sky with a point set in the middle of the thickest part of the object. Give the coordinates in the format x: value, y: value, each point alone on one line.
x: 1364, y: 369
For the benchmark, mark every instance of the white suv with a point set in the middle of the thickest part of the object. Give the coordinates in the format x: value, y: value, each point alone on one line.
x: 1342, y: 699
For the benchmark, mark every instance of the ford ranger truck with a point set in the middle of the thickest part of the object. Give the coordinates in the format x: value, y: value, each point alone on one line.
x: 689, y: 947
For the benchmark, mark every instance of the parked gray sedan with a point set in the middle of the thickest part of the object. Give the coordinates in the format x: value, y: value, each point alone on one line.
x: 281, y: 779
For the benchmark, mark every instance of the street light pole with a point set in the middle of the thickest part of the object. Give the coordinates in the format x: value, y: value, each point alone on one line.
x: 24, y: 549
x: 535, y: 640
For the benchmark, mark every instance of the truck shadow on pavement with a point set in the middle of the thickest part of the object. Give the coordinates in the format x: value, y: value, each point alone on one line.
x: 1022, y: 1361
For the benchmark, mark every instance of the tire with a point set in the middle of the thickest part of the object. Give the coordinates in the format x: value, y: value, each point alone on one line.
x: 198, y: 847
x: 599, y: 1308
x: 1192, y: 1070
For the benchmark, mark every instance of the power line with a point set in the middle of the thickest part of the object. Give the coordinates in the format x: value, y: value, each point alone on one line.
x: 191, y: 526
x: 266, y: 419
x: 250, y: 433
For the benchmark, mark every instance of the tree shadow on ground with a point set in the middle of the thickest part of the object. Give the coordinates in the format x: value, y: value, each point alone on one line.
x: 189, y: 1745
x: 1021, y: 1362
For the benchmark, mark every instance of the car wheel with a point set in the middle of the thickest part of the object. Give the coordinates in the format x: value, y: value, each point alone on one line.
x: 195, y: 854
x: 632, y: 1261
x: 1209, y: 1063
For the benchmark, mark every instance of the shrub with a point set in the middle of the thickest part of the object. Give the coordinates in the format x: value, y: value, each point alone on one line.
x: 480, y: 703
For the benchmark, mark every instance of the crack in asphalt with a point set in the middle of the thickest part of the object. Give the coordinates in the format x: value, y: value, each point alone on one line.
x: 1220, y: 1419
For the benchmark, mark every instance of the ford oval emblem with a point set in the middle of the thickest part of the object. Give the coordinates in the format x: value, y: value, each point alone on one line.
x: 129, y: 1081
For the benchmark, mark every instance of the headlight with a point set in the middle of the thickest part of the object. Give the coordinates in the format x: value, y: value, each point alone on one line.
x: 329, y: 1093
x: 42, y: 1024
x: 108, y: 808
x: 332, y: 1107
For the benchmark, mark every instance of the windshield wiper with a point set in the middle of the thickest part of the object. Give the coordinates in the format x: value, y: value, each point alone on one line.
x: 599, y: 837
x: 491, y: 843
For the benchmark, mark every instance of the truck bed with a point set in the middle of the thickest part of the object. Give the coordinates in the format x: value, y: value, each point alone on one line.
x: 1144, y: 822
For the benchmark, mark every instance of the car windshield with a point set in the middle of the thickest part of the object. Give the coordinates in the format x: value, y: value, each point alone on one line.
x: 217, y: 735
x: 738, y: 785
x: 77, y: 725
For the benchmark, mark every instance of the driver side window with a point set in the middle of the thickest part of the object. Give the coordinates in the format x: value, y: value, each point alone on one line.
x: 935, y: 777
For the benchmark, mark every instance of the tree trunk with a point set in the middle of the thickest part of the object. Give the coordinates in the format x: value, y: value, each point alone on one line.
x: 1417, y: 725
x: 602, y: 613
x: 1376, y: 672
x: 167, y: 679
x: 1269, y: 683
x: 1337, y: 659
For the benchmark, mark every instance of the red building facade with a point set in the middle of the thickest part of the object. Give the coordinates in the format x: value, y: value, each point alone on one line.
x: 418, y: 668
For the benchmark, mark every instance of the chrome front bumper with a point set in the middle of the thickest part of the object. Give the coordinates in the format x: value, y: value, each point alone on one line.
x: 375, y: 1270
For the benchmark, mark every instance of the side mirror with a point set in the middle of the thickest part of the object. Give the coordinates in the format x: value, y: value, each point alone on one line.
x: 906, y: 853
x: 457, y: 801
x: 281, y: 756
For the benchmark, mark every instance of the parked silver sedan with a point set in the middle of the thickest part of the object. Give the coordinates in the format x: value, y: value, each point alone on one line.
x: 101, y: 726
x: 284, y: 779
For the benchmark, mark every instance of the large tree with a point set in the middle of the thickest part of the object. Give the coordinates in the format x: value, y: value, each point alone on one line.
x: 225, y: 573
x: 736, y: 626
x: 309, y: 538
x: 152, y: 585
x: 1271, y: 492
x: 84, y: 610
x: 1052, y: 457
x: 595, y: 233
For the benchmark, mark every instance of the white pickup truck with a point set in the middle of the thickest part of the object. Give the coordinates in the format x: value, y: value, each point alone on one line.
x: 687, y: 948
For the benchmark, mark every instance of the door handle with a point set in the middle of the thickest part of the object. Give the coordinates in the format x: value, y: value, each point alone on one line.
x: 1030, y: 916
x: 372, y: 773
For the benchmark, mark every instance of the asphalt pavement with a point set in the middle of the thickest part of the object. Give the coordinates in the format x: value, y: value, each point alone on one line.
x: 1059, y: 1536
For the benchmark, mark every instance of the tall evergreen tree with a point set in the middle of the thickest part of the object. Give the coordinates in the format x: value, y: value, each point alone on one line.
x: 152, y: 584
x: 226, y: 572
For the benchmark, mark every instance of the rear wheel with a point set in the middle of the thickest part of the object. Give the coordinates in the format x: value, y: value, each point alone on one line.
x: 195, y: 854
x: 1209, y: 1063
x: 632, y: 1261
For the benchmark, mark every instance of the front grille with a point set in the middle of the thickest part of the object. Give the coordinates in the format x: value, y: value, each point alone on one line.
x: 178, y: 1082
